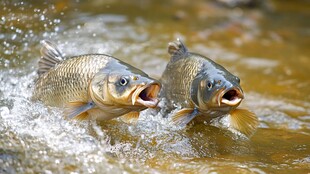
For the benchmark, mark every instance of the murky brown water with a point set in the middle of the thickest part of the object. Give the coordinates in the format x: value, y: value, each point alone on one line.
x: 267, y: 46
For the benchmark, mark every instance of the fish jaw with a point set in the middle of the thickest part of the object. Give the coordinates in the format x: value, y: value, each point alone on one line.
x: 230, y: 97
x: 146, y: 95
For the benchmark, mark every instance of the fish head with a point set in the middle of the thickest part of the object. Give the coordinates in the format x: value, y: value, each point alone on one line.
x: 133, y: 89
x: 217, y: 91
x: 125, y: 86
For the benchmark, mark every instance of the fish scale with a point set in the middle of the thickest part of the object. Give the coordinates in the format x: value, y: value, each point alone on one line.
x: 69, y: 80
x: 180, y: 90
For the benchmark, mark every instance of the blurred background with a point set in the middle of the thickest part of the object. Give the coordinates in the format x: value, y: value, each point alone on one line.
x: 264, y: 42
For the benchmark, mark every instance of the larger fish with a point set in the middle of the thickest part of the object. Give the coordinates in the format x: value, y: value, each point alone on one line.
x: 203, y: 88
x: 93, y: 85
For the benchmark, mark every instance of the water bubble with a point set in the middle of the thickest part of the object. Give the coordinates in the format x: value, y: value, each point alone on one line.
x: 56, y: 21
x: 46, y: 34
x: 56, y: 29
x: 7, y: 63
x: 13, y: 36
x: 7, y: 52
x: 36, y: 10
x: 18, y: 30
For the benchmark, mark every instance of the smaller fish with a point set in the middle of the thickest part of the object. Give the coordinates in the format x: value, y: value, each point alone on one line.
x: 204, y: 89
x: 95, y: 86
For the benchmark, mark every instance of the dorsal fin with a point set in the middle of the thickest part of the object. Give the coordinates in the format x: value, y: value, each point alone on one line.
x: 50, y: 56
x: 177, y: 50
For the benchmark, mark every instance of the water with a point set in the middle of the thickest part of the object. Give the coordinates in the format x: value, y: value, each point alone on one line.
x: 266, y: 46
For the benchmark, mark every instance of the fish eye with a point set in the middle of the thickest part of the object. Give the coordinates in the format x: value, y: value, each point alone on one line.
x: 209, y: 85
x: 123, y: 81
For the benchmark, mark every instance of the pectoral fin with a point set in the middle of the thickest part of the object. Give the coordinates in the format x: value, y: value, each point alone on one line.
x: 244, y: 121
x: 78, y: 110
x: 131, y: 117
x: 184, y: 116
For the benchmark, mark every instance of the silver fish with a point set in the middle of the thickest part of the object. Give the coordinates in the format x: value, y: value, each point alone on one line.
x: 93, y: 85
x: 204, y: 89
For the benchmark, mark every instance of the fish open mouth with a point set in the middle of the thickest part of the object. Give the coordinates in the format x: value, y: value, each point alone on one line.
x: 231, y: 97
x: 146, y: 95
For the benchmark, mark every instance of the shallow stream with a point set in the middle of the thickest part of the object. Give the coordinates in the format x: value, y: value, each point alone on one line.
x: 266, y: 44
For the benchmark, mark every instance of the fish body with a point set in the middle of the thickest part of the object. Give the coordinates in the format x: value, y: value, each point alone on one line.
x: 92, y: 85
x: 203, y: 89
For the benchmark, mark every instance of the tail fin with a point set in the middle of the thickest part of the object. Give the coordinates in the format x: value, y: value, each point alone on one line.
x: 177, y: 50
x: 50, y: 56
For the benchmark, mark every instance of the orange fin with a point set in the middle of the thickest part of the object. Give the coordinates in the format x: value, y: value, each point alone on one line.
x: 78, y: 110
x: 184, y: 116
x: 131, y: 117
x: 82, y: 116
x: 244, y: 121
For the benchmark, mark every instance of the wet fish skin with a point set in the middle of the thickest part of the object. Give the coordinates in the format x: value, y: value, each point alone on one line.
x: 202, y: 88
x: 93, y: 85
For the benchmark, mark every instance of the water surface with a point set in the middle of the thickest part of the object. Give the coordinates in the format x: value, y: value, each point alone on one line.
x: 266, y: 45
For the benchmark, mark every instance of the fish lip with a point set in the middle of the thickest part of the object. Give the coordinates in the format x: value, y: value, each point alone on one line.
x: 235, y: 94
x: 147, y: 95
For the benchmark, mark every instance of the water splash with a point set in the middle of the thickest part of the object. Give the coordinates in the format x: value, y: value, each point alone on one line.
x: 42, y: 136
x: 36, y: 139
